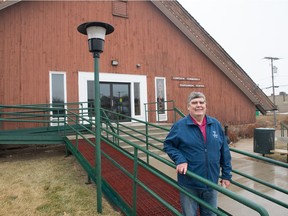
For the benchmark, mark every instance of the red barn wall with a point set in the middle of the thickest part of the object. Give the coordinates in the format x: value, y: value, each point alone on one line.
x: 41, y: 36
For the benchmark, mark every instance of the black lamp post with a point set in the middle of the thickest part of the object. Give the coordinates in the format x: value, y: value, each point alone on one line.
x: 96, y: 32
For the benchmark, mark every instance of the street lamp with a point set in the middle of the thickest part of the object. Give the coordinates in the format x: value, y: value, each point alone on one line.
x: 96, y: 32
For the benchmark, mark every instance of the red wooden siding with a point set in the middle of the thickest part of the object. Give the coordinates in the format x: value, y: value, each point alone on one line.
x: 41, y: 36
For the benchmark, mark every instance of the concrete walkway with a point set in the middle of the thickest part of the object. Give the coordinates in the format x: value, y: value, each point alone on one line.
x: 270, y: 173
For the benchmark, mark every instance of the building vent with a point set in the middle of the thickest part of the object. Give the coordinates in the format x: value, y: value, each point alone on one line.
x: 119, y: 8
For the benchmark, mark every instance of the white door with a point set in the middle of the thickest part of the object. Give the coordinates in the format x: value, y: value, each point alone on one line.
x: 112, y: 84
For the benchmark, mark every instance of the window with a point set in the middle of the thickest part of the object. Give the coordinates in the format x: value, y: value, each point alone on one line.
x: 58, y: 92
x: 137, y: 107
x: 160, y: 98
x: 160, y: 92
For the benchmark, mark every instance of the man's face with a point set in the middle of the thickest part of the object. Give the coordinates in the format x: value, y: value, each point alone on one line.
x: 197, y: 107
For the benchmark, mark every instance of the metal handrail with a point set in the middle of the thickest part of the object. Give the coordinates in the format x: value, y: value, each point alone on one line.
x: 256, y: 207
x: 265, y: 159
x: 166, y: 108
x: 254, y: 179
x: 75, y: 116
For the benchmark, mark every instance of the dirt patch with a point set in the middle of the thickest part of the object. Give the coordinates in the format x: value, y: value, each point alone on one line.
x: 42, y: 181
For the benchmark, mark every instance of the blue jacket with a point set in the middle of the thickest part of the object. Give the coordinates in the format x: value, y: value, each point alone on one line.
x: 185, y: 143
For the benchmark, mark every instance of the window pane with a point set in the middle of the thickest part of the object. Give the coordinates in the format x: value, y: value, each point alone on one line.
x: 137, y: 108
x: 121, y: 98
x: 160, y: 96
x: 105, y: 95
x: 58, y: 93
x: 57, y: 88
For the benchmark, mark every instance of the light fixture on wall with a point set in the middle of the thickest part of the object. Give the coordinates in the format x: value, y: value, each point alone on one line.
x: 138, y: 65
x: 114, y: 63
x: 96, y: 32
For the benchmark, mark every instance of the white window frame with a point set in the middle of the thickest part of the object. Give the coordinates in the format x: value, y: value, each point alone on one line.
x: 51, y: 98
x: 161, y: 117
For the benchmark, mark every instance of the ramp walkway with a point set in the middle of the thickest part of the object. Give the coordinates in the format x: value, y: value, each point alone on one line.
x: 146, y: 205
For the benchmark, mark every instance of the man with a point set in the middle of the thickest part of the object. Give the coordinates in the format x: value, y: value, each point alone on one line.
x: 197, y: 143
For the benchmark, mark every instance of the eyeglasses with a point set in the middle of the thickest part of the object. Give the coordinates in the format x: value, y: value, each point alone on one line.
x: 197, y: 102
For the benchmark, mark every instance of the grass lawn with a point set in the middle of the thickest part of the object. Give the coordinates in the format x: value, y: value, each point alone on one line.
x: 42, y: 181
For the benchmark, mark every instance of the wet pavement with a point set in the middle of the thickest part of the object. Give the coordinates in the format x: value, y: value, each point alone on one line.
x: 270, y: 173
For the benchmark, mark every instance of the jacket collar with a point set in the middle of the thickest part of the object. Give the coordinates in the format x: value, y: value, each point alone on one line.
x: 189, y: 121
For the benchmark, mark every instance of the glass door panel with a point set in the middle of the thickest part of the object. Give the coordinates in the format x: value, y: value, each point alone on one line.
x: 121, y: 100
x: 105, y: 96
x: 114, y: 97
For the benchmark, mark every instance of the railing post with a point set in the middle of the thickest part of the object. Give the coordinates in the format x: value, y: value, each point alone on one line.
x: 88, y: 180
x: 118, y: 130
x: 76, y: 138
x: 58, y: 121
x: 147, y: 141
x: 65, y: 124
x: 135, y: 174
x: 81, y: 111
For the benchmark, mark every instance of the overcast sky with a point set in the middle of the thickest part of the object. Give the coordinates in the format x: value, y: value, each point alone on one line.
x: 249, y: 30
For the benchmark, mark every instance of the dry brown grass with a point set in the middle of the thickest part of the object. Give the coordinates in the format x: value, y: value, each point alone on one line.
x: 237, y: 132
x: 42, y: 181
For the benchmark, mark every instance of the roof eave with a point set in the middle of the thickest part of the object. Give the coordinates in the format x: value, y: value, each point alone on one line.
x: 5, y: 4
x: 198, y: 35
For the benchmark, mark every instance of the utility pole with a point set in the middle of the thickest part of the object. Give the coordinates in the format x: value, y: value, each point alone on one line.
x: 273, y: 86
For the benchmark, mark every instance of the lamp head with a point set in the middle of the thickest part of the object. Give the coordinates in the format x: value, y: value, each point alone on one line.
x: 96, y: 32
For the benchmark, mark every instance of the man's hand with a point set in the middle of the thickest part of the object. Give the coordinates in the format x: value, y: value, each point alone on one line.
x: 182, y: 168
x: 225, y: 183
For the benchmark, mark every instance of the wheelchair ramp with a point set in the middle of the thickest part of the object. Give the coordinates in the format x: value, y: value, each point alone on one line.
x: 146, y: 204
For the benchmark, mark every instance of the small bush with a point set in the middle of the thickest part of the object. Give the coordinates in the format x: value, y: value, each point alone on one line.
x: 285, y: 121
x: 236, y: 132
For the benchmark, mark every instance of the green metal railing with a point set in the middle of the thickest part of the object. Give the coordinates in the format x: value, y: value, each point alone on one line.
x: 253, y: 156
x: 30, y: 122
x: 168, y: 106
x: 120, y: 128
x: 77, y: 121
x: 137, y: 162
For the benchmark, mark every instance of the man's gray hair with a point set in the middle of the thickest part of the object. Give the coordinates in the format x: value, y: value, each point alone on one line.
x: 194, y: 95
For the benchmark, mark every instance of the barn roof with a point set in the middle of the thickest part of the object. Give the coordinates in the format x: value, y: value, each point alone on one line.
x: 174, y: 11
x: 7, y: 3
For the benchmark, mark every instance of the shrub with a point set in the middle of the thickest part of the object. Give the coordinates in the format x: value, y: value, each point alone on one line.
x: 236, y: 132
